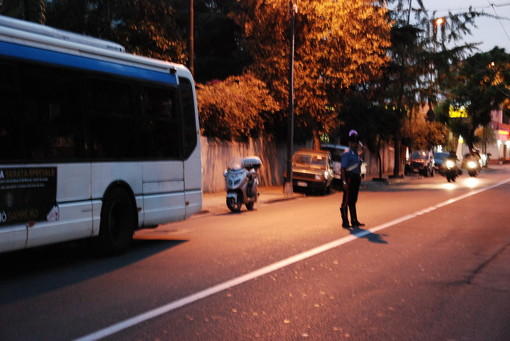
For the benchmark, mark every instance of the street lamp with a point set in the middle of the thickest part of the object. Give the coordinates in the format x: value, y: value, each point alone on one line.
x: 438, y: 22
x: 290, y: 129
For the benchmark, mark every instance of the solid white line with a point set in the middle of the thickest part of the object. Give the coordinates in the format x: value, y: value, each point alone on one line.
x: 265, y: 270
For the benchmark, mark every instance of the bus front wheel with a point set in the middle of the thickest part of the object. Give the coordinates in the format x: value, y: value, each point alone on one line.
x: 118, y: 222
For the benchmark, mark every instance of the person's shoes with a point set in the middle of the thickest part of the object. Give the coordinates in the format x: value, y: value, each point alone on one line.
x: 346, y: 226
x: 357, y: 224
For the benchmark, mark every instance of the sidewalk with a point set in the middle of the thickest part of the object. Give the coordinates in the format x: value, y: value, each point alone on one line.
x: 216, y: 202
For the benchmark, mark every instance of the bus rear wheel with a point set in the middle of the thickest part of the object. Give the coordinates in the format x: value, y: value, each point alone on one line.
x: 118, y: 222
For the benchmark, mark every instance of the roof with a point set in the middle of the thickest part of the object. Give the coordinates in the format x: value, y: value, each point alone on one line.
x: 43, y: 37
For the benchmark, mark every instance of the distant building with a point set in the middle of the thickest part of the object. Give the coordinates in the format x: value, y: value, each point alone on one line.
x: 501, y: 128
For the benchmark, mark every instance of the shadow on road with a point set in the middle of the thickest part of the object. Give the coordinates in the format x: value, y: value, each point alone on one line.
x: 370, y: 236
x: 44, y: 269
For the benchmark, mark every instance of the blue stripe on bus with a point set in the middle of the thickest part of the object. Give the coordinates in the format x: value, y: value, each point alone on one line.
x: 58, y: 58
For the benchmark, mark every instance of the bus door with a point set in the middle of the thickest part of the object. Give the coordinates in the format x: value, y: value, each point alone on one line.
x: 192, y: 151
x: 163, y: 178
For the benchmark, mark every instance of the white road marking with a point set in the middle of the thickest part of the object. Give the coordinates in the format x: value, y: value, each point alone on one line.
x: 267, y: 269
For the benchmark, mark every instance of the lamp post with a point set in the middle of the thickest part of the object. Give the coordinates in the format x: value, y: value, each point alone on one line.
x: 290, y: 128
x: 191, y: 40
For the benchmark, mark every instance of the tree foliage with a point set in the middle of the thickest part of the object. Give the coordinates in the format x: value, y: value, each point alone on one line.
x: 422, y: 55
x: 234, y: 109
x: 338, y: 44
x: 483, y: 85
x: 30, y: 10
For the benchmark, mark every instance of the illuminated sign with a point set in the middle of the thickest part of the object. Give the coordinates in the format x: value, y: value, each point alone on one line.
x: 459, y: 112
x: 503, y: 132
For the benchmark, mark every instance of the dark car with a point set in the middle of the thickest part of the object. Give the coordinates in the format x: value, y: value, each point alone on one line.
x: 422, y: 162
x: 439, y: 158
x: 312, y: 170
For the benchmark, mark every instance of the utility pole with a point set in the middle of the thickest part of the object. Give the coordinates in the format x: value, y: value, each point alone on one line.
x: 290, y: 128
x: 191, y: 40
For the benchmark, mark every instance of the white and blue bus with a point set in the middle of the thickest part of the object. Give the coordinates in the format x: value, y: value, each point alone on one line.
x: 94, y: 142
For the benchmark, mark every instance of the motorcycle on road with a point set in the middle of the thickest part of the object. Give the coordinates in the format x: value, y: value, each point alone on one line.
x: 241, y: 181
x: 451, y: 169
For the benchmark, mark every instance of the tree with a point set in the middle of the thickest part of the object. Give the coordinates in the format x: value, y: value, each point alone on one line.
x: 30, y: 10
x: 234, y: 109
x: 421, y: 59
x: 375, y: 123
x: 218, y: 54
x: 144, y: 27
x: 338, y: 44
x: 483, y: 86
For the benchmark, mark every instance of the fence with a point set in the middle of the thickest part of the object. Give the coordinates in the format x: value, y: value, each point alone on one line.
x: 216, y: 154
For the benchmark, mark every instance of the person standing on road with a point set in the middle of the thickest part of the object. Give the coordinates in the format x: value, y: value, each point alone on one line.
x: 351, y: 180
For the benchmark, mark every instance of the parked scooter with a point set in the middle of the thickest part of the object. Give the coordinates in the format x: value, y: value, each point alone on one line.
x: 241, y: 180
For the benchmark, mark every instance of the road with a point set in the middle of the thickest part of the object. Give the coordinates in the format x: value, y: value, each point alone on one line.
x: 432, y: 263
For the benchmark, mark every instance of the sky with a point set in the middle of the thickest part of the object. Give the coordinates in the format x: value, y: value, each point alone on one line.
x: 489, y: 32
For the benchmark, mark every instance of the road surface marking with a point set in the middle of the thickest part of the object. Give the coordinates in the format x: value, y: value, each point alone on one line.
x: 115, y: 328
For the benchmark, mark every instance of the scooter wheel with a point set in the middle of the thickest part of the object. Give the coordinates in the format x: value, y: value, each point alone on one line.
x: 233, y: 205
x: 250, y: 206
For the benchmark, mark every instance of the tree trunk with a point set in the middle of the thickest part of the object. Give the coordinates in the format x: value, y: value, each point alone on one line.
x: 316, y: 142
x: 35, y: 11
x: 397, y: 145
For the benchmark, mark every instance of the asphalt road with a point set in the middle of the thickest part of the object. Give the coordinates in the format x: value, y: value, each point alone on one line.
x: 432, y: 263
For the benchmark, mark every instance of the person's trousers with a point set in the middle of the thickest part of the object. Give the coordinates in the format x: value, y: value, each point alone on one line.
x: 350, y: 197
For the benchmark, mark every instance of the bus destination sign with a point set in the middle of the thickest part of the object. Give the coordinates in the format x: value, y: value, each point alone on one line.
x: 28, y: 195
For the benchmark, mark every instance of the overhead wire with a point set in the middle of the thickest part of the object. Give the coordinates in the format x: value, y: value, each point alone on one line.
x: 461, y: 9
x: 493, y: 6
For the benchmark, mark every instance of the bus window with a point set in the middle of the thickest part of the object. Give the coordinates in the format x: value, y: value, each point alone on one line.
x: 160, y: 123
x: 188, y: 107
x: 113, y: 122
x: 54, y: 121
x: 11, y: 125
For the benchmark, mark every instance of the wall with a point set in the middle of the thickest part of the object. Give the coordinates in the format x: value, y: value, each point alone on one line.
x: 216, y: 154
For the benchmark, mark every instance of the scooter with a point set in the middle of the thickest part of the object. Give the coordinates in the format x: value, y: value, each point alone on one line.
x: 241, y: 180
x: 451, y: 170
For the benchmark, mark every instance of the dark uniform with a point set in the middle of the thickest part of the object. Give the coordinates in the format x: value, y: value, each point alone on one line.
x: 351, y: 177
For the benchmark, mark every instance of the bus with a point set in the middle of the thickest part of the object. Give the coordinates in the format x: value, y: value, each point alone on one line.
x: 95, y: 142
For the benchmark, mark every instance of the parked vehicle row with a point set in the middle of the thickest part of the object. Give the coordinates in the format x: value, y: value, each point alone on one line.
x: 316, y: 171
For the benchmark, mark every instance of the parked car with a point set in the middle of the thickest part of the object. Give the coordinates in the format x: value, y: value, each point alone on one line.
x: 312, y: 170
x: 336, y: 151
x: 422, y: 162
